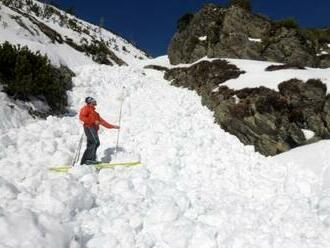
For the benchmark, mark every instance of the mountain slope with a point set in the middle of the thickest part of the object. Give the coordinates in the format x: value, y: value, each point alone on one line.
x: 198, y: 186
x: 65, y: 39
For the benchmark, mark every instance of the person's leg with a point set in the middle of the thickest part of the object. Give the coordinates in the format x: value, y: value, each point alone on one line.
x: 89, y: 152
x: 95, y: 136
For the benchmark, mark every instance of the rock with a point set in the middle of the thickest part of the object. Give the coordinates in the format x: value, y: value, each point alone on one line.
x: 324, y: 61
x: 156, y: 67
x: 203, y: 76
x: 234, y: 32
x: 270, y: 120
x: 284, y: 67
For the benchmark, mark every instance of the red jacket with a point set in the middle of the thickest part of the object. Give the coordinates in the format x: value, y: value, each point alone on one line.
x: 89, y: 116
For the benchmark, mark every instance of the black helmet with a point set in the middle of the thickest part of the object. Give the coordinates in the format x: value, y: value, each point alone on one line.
x: 89, y: 100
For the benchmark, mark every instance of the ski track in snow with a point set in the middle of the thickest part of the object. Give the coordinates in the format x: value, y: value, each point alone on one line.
x: 197, y: 187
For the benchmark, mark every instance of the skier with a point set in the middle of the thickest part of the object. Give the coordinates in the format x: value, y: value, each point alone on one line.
x: 92, y: 120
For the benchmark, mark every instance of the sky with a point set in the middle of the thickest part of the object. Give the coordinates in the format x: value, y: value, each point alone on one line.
x: 150, y: 24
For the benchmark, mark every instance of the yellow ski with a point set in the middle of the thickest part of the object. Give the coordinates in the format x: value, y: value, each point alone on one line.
x: 97, y: 166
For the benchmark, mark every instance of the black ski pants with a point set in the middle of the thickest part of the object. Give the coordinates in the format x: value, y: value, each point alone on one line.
x: 93, y: 143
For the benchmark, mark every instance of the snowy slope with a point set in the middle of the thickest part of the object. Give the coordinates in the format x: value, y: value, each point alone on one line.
x: 314, y: 157
x: 20, y: 25
x: 197, y: 186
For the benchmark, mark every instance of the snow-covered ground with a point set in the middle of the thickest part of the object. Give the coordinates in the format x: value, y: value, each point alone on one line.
x: 197, y: 186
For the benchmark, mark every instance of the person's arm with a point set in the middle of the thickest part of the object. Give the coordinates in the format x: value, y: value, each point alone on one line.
x: 107, y: 125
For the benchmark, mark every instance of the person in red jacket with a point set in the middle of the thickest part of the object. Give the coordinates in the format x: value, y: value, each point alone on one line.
x: 92, y: 120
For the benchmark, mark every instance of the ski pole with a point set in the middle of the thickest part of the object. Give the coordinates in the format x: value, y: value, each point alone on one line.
x: 77, y: 155
x: 121, y: 108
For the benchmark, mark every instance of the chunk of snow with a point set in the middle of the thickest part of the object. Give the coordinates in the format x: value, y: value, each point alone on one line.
x: 216, y: 89
x: 308, y: 133
x: 322, y: 53
x: 237, y: 100
x: 255, y: 39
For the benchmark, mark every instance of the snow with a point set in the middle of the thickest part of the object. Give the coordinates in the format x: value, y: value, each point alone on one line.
x: 256, y: 75
x: 237, y: 100
x: 197, y: 186
x: 202, y: 38
x: 13, y: 114
x: 254, y: 39
x: 322, y: 53
x: 308, y: 134
x: 313, y: 157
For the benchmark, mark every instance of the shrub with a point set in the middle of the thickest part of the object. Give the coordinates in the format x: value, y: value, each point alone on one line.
x: 28, y: 75
x: 7, y: 2
x: 245, y: 4
x: 184, y: 21
x: 73, y: 24
x: 35, y: 9
x: 48, y: 11
x: 55, y: 4
x: 28, y: 2
x: 71, y: 10
x: 289, y: 22
x: 320, y: 35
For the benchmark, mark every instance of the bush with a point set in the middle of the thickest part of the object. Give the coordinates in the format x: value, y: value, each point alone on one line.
x: 71, y: 10
x: 320, y: 35
x: 289, y: 22
x: 73, y: 24
x: 184, y: 21
x: 7, y: 2
x: 28, y: 75
x: 48, y: 11
x: 35, y: 9
x: 245, y: 4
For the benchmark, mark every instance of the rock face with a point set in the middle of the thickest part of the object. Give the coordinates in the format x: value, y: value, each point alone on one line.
x: 272, y: 121
x: 237, y: 33
x: 204, y: 76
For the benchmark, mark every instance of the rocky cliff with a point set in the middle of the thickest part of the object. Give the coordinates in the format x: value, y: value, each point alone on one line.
x: 234, y: 32
x: 273, y: 120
